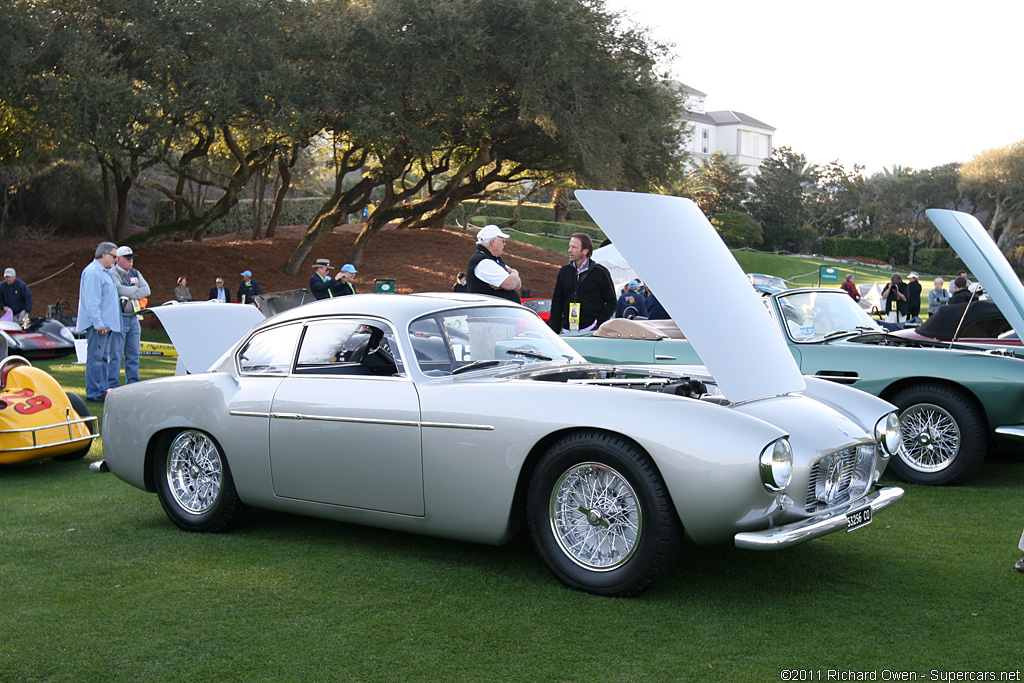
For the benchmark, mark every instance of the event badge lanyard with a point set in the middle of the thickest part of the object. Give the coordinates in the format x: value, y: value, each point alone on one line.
x: 574, y: 306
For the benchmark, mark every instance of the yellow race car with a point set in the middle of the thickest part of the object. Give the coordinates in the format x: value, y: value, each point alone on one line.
x: 38, y: 419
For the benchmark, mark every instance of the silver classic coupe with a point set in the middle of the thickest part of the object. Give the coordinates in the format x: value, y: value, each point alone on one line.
x: 464, y: 416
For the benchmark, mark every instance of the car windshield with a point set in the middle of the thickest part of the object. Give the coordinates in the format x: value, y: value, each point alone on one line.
x: 766, y: 280
x: 815, y: 316
x: 465, y: 339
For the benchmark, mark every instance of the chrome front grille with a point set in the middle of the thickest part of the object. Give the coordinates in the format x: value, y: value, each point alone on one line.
x: 840, y: 477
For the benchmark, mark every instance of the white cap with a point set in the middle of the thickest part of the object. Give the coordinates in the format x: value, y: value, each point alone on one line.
x: 10, y: 273
x: 488, y: 233
x: 125, y: 251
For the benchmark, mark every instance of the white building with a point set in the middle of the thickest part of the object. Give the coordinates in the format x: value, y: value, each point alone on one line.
x: 739, y: 137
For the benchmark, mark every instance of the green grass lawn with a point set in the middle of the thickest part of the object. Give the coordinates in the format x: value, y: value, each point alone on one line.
x: 97, y: 585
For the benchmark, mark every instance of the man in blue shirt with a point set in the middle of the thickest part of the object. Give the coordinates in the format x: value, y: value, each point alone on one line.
x: 14, y: 296
x: 98, y: 315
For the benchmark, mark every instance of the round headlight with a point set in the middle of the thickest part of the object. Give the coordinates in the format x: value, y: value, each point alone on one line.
x: 888, y: 434
x: 777, y: 465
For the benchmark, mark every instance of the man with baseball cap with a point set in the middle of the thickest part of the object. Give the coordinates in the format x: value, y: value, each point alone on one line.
x: 486, y: 272
x: 631, y: 304
x: 124, y: 344
x: 346, y: 277
x: 15, y: 297
x: 249, y: 289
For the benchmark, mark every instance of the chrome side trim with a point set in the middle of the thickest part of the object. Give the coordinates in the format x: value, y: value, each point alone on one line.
x: 812, y: 527
x: 364, y: 420
x: 1017, y: 432
x: 456, y: 425
x: 659, y: 356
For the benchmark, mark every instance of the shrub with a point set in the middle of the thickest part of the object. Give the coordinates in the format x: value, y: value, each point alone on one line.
x: 937, y: 261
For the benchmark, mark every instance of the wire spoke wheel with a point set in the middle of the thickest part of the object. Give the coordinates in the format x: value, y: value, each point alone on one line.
x: 194, y: 472
x: 595, y: 516
x: 931, y: 437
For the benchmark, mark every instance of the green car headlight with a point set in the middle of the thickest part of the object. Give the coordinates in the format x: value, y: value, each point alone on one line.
x: 777, y: 465
x: 888, y: 434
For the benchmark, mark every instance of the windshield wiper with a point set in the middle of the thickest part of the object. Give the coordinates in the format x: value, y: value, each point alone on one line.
x: 529, y: 353
x: 475, y: 365
x: 837, y: 333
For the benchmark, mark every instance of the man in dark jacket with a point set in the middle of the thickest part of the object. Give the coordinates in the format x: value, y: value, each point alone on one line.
x: 913, y: 295
x: 321, y: 284
x: 486, y: 272
x: 249, y: 289
x: 584, y: 294
x: 15, y: 296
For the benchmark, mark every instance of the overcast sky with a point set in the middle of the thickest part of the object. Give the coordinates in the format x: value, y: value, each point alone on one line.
x: 874, y: 82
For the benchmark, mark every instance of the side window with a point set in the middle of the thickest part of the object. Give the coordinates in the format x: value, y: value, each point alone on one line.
x: 348, y: 347
x: 269, y: 352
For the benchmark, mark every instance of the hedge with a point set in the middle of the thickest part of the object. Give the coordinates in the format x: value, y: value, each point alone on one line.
x: 528, y: 212
x: 295, y: 211
x: 839, y: 247
x: 545, y: 227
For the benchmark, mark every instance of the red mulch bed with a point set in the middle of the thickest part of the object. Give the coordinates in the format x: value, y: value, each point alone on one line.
x: 419, y: 260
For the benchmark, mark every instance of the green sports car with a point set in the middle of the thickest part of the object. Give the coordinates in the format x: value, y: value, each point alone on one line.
x: 955, y: 401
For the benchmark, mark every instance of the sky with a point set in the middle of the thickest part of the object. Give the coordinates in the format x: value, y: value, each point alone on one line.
x: 878, y: 83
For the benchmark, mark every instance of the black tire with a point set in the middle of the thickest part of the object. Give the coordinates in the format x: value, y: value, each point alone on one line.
x: 945, y: 437
x: 636, y: 529
x: 194, y: 484
x: 78, y: 405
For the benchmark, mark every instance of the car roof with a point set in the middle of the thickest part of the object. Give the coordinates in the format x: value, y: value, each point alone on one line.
x: 399, y: 308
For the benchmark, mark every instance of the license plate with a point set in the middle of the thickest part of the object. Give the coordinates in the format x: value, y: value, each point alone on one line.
x: 858, y: 518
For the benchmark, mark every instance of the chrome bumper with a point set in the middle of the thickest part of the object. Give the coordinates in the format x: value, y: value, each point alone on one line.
x: 805, y: 530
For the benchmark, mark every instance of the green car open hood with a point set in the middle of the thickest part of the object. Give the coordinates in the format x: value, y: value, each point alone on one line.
x: 975, y: 247
x: 680, y: 256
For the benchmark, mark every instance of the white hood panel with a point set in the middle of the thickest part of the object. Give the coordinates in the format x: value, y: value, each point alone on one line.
x: 975, y: 247
x: 679, y: 255
x: 203, y: 331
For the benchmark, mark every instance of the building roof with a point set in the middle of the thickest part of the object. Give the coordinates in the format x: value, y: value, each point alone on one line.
x: 724, y: 118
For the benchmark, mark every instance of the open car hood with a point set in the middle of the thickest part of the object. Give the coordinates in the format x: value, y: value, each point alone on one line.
x: 975, y: 247
x: 203, y: 331
x: 677, y: 252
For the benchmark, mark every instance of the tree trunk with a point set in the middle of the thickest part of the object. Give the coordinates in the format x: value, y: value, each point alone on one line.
x: 285, y: 178
x: 258, y: 190
x: 560, y: 200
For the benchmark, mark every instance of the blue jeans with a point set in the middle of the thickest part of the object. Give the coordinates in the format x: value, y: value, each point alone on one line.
x: 125, y: 344
x: 96, y: 364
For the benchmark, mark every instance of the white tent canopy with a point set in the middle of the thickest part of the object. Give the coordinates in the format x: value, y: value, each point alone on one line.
x: 609, y: 257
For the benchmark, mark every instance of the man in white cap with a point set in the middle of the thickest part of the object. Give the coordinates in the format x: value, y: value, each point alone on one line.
x: 98, y: 316
x: 486, y: 272
x: 124, y: 345
x: 346, y: 277
x: 15, y: 297
x: 913, y: 296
